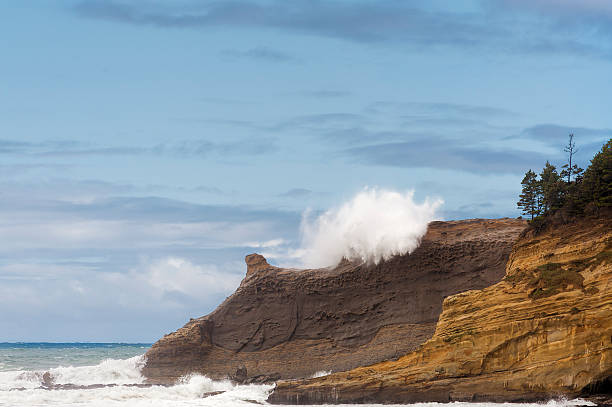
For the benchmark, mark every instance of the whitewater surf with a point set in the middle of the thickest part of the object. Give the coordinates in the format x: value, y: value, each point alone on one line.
x: 119, y: 383
x: 26, y: 379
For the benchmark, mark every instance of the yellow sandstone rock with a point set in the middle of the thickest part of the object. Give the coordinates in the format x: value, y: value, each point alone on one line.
x: 543, y: 331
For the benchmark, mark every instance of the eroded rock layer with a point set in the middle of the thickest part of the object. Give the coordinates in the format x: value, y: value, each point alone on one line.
x: 545, y: 330
x: 287, y: 323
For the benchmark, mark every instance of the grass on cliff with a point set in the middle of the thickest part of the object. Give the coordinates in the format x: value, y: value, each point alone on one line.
x: 552, y: 278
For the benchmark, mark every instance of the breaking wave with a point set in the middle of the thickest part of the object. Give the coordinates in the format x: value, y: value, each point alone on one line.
x: 108, y: 372
x: 120, y: 383
x: 373, y: 226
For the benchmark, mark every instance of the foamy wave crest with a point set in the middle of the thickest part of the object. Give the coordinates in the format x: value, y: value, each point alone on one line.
x: 119, y: 383
x: 373, y: 226
x: 108, y: 372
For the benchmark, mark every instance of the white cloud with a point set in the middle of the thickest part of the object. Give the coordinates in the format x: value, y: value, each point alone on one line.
x: 180, y: 275
x: 167, y: 290
x: 160, y: 280
x: 84, y: 265
x: 19, y: 233
x: 590, y: 6
x: 265, y: 244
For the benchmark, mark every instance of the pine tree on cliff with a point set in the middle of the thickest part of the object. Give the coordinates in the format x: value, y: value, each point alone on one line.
x: 530, y: 199
x: 552, y: 188
x: 597, y: 181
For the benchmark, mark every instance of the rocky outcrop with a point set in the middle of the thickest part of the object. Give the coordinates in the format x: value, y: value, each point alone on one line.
x: 287, y: 323
x: 544, y: 331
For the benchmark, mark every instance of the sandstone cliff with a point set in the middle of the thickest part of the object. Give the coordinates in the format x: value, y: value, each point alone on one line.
x: 286, y: 323
x: 544, y: 331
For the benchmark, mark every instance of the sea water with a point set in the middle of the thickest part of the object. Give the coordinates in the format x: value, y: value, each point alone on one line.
x: 108, y: 374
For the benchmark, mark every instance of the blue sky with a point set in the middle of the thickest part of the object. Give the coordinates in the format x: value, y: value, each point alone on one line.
x: 147, y: 146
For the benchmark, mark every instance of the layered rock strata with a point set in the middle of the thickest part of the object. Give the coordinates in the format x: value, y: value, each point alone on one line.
x: 544, y: 331
x: 288, y: 323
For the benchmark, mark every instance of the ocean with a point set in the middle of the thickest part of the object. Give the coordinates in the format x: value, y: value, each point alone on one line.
x: 108, y: 374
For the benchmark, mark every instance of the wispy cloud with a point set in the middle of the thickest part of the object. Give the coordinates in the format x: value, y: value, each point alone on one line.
x: 260, y: 54
x: 556, y: 134
x: 8, y: 146
x: 446, y: 154
x: 326, y: 94
x: 201, y: 148
x: 185, y: 148
x: 21, y: 169
x: 224, y: 101
x: 389, y: 121
x: 364, y: 136
x: 76, y: 244
x: 440, y: 109
x: 171, y: 288
x: 102, y: 151
x: 75, y: 215
x: 575, y: 11
x: 136, y: 209
x: 358, y: 21
x: 296, y: 193
x: 210, y: 190
x: 59, y: 148
x: 319, y: 121
x: 410, y: 24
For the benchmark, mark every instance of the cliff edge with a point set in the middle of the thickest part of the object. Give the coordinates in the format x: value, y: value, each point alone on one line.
x: 288, y: 323
x: 544, y: 331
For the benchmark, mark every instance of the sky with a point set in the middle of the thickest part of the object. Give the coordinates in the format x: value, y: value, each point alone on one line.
x: 148, y: 146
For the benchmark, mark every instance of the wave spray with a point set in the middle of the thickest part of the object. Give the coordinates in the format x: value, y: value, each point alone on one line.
x: 374, y: 225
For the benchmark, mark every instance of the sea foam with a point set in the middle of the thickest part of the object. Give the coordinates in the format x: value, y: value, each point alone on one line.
x: 120, y: 384
x: 374, y: 225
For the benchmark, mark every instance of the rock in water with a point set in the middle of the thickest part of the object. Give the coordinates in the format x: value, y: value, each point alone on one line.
x: 288, y: 323
x: 240, y: 376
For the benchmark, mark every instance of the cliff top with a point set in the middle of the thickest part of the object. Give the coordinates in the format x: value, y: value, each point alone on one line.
x: 445, y: 232
x: 297, y: 322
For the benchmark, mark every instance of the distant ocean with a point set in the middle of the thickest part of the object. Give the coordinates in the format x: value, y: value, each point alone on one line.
x: 108, y: 374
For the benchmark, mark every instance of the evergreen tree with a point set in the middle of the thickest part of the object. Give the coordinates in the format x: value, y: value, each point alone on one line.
x: 597, y: 181
x: 530, y: 198
x: 591, y: 189
x: 551, y: 188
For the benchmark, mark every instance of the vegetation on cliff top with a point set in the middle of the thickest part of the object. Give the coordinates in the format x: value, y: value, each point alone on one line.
x: 553, y: 198
x: 571, y: 192
x: 552, y: 278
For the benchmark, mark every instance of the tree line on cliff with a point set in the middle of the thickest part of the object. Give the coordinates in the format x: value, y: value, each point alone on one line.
x: 571, y: 192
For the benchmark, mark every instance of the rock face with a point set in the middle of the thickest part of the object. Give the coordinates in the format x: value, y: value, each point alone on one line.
x: 287, y: 323
x: 545, y: 330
